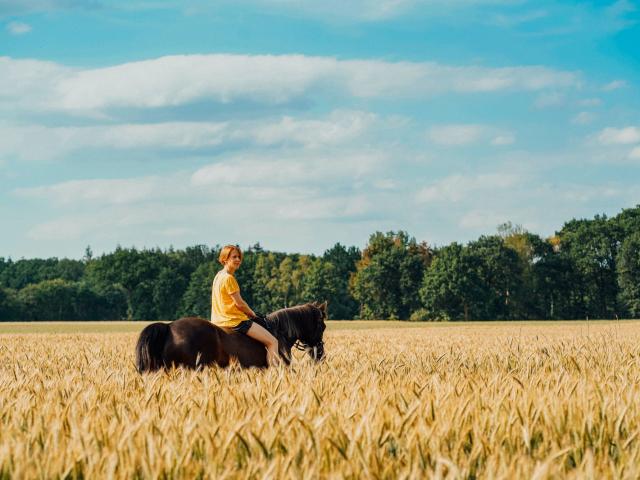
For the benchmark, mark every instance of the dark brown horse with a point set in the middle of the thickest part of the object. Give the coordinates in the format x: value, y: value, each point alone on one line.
x: 193, y: 341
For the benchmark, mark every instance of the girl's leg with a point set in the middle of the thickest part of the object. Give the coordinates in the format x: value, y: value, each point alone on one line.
x: 262, y: 335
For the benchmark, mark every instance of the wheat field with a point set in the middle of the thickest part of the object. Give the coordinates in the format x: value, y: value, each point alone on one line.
x: 436, y: 401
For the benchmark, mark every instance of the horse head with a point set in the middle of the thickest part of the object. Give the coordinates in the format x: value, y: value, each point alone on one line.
x: 301, y: 326
x: 312, y: 335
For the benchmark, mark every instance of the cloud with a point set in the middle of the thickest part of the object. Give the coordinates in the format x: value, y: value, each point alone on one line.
x: 590, y: 102
x: 514, y: 20
x: 316, y: 169
x: 173, y: 204
x: 18, y: 28
x: 456, y: 188
x: 551, y: 99
x: 482, y: 220
x: 24, y: 7
x: 504, y: 139
x: 282, y: 182
x: 370, y: 10
x: 339, y: 127
x: 455, y: 134
x: 467, y: 134
x: 265, y: 79
x: 347, y: 206
x: 619, y: 136
x: 103, y: 191
x: 38, y: 142
x: 614, y: 85
x: 576, y: 194
x: 635, y: 153
x: 583, y: 118
x: 619, y: 14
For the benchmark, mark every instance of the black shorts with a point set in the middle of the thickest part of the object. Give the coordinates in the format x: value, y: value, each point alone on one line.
x: 243, y: 327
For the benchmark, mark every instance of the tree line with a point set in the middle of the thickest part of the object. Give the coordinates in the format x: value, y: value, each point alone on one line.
x: 588, y: 269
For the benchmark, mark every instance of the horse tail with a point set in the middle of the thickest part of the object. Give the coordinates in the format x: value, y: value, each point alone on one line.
x: 150, y: 347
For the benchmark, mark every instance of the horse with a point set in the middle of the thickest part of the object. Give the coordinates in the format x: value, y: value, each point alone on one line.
x: 193, y: 342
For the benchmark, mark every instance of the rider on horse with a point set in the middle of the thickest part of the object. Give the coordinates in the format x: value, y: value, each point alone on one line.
x: 229, y: 310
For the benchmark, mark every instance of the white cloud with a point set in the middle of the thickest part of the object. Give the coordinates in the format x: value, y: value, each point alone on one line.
x: 548, y: 100
x: 18, y: 28
x: 455, y: 134
x: 325, y: 208
x: 575, y: 194
x: 590, y: 102
x: 620, y: 14
x: 266, y: 79
x: 315, y: 169
x: 370, y: 10
x: 175, y: 232
x: 37, y: 142
x: 467, y: 134
x: 583, y: 118
x: 103, y: 191
x: 505, y: 139
x: 339, y: 127
x: 285, y: 186
x: 171, y: 206
x: 23, y: 7
x: 614, y: 85
x: 635, y: 153
x: 482, y: 220
x: 456, y: 188
x: 514, y: 20
x: 385, y: 184
x: 618, y: 136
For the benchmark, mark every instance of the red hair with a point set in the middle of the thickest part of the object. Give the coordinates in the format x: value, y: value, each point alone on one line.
x: 226, y: 252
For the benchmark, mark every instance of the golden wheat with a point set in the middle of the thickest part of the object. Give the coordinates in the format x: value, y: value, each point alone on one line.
x: 459, y: 401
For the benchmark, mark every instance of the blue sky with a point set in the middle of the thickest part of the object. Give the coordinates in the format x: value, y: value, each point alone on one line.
x: 300, y: 124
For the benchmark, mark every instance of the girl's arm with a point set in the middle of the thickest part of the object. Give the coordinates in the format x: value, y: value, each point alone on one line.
x: 242, y: 305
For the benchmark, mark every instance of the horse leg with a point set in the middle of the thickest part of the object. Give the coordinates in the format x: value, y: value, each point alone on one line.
x: 253, y: 358
x: 222, y: 357
x: 285, y: 352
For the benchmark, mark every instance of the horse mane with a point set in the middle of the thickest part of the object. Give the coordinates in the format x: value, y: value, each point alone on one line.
x: 288, y: 321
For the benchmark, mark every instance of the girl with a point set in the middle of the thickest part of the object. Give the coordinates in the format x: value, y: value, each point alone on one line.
x: 229, y: 310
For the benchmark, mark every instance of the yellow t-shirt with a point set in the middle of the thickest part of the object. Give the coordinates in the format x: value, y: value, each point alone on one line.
x: 224, y: 312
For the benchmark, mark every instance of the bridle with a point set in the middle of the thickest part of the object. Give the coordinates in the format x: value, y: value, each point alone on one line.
x: 300, y: 345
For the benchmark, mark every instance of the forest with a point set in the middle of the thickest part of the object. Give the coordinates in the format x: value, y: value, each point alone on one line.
x: 588, y: 269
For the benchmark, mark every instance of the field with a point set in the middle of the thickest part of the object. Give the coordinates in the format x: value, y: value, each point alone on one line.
x: 490, y: 400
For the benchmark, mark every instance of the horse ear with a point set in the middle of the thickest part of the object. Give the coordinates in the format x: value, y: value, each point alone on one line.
x: 323, y: 306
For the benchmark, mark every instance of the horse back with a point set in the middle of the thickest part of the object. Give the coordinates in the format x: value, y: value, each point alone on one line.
x: 195, y: 341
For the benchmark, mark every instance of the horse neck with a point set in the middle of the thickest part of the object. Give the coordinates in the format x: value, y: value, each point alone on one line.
x: 284, y: 323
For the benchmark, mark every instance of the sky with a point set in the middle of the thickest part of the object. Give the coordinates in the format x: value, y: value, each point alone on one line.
x: 300, y: 124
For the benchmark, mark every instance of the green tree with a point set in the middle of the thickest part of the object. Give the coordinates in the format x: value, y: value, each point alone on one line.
x: 628, y: 220
x: 9, y: 305
x: 245, y: 274
x: 341, y: 303
x: 23, y: 272
x: 389, y: 275
x: 550, y: 281
x: 452, y: 287
x: 134, y: 272
x: 266, y: 294
x: 64, y: 300
x: 629, y: 273
x: 196, y: 300
x: 500, y: 269
x: 319, y: 284
x: 592, y: 247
